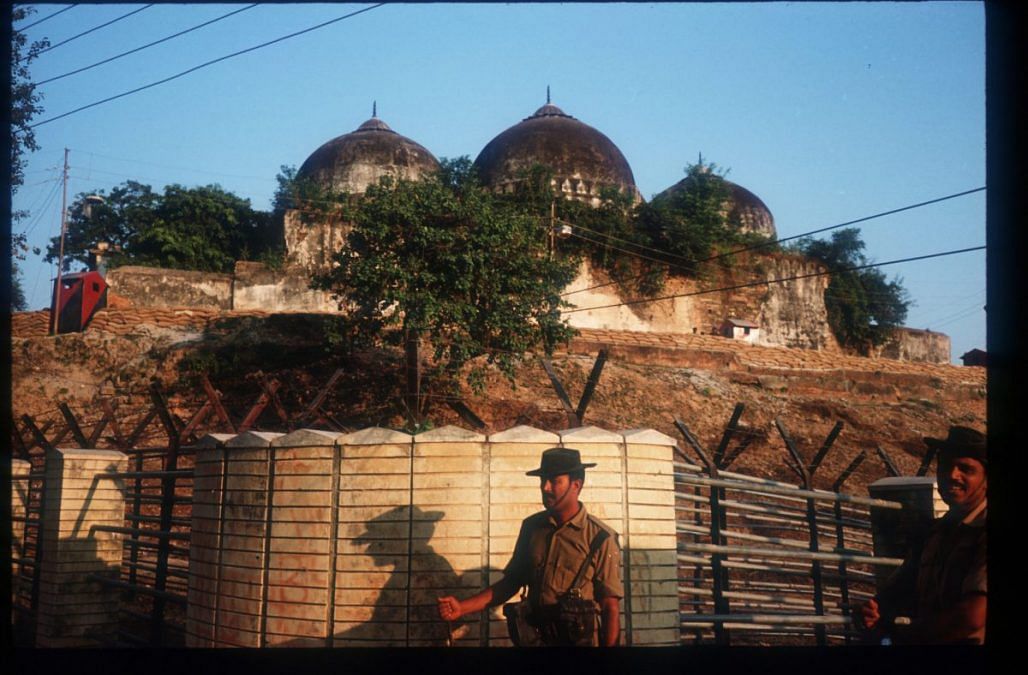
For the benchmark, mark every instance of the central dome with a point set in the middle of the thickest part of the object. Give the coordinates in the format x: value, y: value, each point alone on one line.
x: 582, y: 159
x: 354, y: 161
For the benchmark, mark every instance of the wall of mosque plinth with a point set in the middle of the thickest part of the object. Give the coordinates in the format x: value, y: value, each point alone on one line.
x: 782, y: 294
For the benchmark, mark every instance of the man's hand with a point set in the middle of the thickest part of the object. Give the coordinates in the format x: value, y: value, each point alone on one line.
x: 449, y: 608
x: 869, y: 614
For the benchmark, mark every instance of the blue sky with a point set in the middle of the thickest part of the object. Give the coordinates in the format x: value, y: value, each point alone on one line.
x: 828, y: 112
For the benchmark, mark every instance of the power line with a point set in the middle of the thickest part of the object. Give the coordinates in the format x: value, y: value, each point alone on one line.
x: 771, y: 242
x: 39, y: 213
x: 963, y: 314
x: 166, y: 166
x: 967, y: 313
x: 775, y: 281
x: 151, y: 44
x: 204, y: 65
x: 94, y: 28
x: 948, y: 316
x: 49, y: 16
x: 42, y: 182
x: 637, y: 255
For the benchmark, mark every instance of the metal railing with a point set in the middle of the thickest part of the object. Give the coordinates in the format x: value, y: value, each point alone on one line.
x: 154, y: 574
x: 767, y: 562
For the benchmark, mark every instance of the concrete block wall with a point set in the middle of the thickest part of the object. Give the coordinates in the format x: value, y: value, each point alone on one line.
x: 323, y: 539
x: 73, y: 610
x: 20, y: 469
x: 450, y: 530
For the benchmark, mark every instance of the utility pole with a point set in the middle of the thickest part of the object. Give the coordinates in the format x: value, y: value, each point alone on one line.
x: 60, y: 258
x: 553, y: 214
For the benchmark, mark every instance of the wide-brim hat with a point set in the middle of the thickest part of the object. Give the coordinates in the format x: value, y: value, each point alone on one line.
x: 960, y: 442
x: 557, y: 461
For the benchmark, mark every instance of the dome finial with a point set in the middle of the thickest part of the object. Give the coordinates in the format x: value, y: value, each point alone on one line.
x: 374, y: 108
x: 547, y: 94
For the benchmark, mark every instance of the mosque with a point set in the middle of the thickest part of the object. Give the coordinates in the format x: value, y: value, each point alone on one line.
x: 786, y: 311
x: 583, y: 161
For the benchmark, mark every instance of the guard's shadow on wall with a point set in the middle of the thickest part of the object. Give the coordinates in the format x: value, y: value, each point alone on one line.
x: 79, y: 610
x: 402, y: 610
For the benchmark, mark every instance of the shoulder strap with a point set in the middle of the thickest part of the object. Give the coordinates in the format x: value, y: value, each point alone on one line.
x: 597, y: 542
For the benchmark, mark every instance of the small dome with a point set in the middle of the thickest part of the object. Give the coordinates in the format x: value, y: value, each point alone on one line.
x: 354, y: 161
x: 582, y: 159
x: 742, y: 207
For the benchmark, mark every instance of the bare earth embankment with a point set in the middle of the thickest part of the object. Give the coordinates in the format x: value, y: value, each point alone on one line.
x: 648, y: 380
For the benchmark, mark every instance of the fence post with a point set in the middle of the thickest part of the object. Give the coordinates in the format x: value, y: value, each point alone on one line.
x: 167, y: 504
x: 900, y: 533
x: 74, y: 610
x: 21, y: 469
x: 718, y: 572
x: 840, y: 536
x: 815, y: 566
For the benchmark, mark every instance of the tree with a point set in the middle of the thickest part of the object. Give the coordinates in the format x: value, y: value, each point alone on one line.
x: 18, y: 301
x: 444, y: 258
x: 25, y: 105
x: 692, y: 222
x: 864, y: 307
x: 25, y: 100
x: 202, y: 228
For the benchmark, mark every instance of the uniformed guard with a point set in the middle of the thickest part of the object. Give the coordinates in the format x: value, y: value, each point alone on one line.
x: 570, y: 562
x: 939, y: 596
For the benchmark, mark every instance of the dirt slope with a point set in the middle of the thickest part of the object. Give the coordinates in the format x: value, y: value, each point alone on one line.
x: 647, y: 382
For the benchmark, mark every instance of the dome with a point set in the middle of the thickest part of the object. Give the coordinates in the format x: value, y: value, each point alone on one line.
x: 582, y: 159
x: 742, y: 207
x: 354, y: 161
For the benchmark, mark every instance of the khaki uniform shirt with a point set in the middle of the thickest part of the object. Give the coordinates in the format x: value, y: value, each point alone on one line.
x: 547, y: 557
x: 952, y: 565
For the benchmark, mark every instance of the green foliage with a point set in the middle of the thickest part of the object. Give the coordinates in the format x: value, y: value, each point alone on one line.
x: 18, y: 301
x: 313, y: 202
x: 25, y: 100
x: 638, y: 245
x: 864, y: 307
x: 695, y: 223
x: 446, y: 258
x: 26, y: 104
x: 202, y: 228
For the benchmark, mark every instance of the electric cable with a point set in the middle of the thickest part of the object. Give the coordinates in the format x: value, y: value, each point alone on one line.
x: 958, y: 317
x: 774, y: 242
x: 44, y: 196
x: 204, y: 65
x: 87, y: 32
x: 781, y: 280
x: 146, y: 46
x: 165, y: 166
x: 48, y: 16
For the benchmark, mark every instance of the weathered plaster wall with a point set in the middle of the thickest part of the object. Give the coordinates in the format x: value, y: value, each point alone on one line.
x: 912, y: 344
x: 257, y: 286
x: 310, y: 245
x: 790, y: 313
x: 159, y: 287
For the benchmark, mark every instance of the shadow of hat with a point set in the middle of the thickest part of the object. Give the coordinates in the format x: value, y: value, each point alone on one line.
x: 377, y: 528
